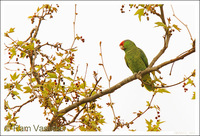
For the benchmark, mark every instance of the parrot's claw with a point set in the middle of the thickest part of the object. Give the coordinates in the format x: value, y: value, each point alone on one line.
x: 139, y: 75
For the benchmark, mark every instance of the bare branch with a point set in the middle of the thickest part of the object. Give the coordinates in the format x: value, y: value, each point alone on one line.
x: 74, y: 26
x: 74, y: 20
x: 138, y: 115
x: 182, y: 23
x: 109, y: 79
x: 20, y: 106
x: 166, y: 39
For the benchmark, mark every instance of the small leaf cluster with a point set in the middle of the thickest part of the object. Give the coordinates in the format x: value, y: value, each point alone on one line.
x: 46, y: 9
x: 142, y: 9
x: 91, y: 119
x: 146, y: 9
x: 153, y: 127
x: 150, y: 126
x: 168, y: 27
x: 190, y: 82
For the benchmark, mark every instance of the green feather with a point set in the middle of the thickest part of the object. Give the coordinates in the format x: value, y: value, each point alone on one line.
x: 137, y: 61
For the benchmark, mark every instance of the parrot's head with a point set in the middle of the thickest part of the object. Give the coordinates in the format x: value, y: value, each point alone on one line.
x: 121, y: 45
x: 126, y: 44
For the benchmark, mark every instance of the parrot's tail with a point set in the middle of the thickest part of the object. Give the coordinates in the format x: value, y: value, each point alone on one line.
x: 149, y: 84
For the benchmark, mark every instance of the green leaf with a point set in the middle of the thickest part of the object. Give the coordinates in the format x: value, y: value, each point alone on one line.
x: 25, y: 46
x: 33, y: 79
x: 160, y: 24
x: 45, y: 93
x: 8, y: 116
x: 131, y: 5
x: 159, y: 122
x: 140, y: 12
x: 18, y: 86
x: 13, y: 52
x: 73, y: 50
x: 68, y: 78
x: 67, y: 67
x: 11, y: 30
x: 31, y: 46
x: 14, y: 76
x: 72, y: 129
x: 190, y: 81
x: 51, y: 75
x: 20, y: 43
x: 15, y: 93
x: 28, y: 89
x: 148, y: 104
x: 38, y: 9
x: 49, y: 86
x: 6, y: 105
x: 54, y: 109
x: 18, y: 97
x: 162, y: 91
x: 102, y: 121
x: 194, y: 96
x: 59, y: 54
x: 38, y: 67
x: 149, y: 122
x: 176, y: 27
x: 82, y: 128
x: 7, y: 86
x: 83, y: 85
x: 23, y: 54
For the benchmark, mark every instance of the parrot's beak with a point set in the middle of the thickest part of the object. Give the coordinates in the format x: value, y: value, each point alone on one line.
x: 121, y: 46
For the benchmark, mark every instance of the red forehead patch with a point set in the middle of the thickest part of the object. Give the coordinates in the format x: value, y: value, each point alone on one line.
x: 122, y: 43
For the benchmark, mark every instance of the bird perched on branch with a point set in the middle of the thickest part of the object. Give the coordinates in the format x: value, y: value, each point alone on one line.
x: 136, y: 61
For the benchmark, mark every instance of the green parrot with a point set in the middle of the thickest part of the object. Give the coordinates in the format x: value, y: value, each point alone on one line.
x: 136, y: 61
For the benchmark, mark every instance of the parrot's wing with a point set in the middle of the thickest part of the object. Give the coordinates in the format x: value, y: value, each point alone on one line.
x: 126, y: 61
x: 144, y: 58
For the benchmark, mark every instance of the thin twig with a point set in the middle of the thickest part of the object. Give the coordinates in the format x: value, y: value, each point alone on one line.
x: 14, y: 63
x: 146, y: 108
x: 176, y: 83
x: 166, y: 40
x: 85, y: 71
x: 140, y: 114
x: 85, y: 75
x: 187, y: 30
x: 31, y: 33
x: 109, y: 79
x: 20, y: 106
x: 74, y: 20
x: 103, y: 63
x: 182, y: 23
x: 76, y: 73
x: 74, y: 26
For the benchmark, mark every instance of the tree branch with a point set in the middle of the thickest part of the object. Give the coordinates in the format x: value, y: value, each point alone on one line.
x: 166, y: 39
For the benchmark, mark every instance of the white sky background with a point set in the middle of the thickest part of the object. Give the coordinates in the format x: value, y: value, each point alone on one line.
x: 103, y: 21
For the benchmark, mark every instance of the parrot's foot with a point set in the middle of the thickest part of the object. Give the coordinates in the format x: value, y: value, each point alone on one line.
x: 139, y: 75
